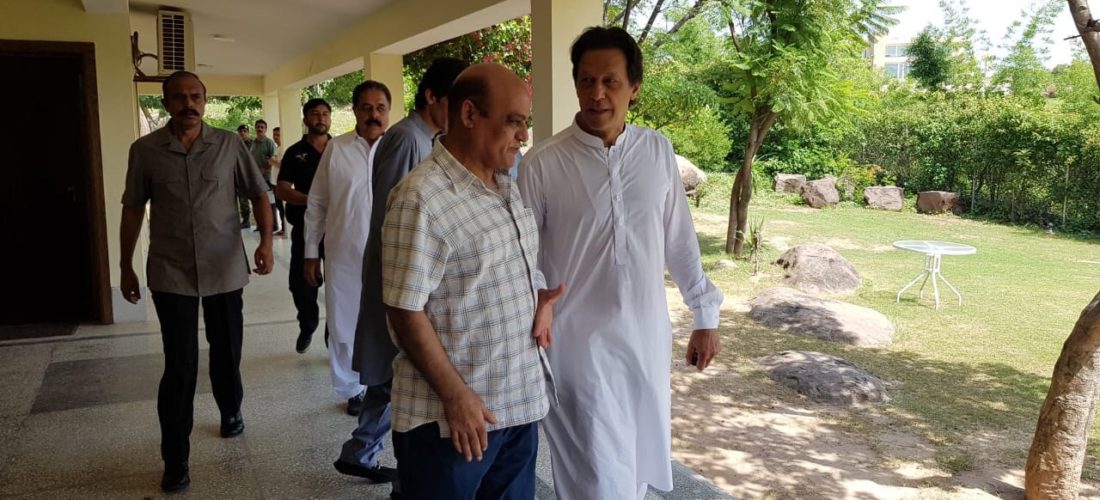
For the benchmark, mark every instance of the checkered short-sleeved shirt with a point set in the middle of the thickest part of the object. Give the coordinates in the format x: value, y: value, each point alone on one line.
x: 466, y: 256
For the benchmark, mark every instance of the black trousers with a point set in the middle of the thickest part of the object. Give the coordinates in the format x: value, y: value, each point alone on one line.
x: 305, y: 296
x: 179, y: 320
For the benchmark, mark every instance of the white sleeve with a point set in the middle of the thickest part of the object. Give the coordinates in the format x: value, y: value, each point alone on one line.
x: 317, y: 205
x: 682, y: 250
x: 530, y: 193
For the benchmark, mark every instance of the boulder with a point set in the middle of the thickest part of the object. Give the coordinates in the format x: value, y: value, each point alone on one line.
x: 726, y: 264
x: 845, y: 186
x: 821, y: 193
x: 800, y: 314
x: 817, y: 268
x: 690, y: 175
x: 789, y: 183
x: 934, y: 202
x: 824, y: 378
x: 884, y: 197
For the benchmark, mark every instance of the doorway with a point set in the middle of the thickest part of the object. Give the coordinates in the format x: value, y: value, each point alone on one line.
x: 52, y: 217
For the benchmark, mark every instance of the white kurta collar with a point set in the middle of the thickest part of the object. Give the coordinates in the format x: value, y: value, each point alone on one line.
x: 596, y: 142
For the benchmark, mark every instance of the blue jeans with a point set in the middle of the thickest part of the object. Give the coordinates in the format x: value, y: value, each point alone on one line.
x: 374, y: 423
x: 428, y: 466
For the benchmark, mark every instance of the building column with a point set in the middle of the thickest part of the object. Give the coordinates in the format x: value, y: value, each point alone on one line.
x: 387, y: 68
x: 554, y: 26
x: 270, y: 103
x: 290, y: 115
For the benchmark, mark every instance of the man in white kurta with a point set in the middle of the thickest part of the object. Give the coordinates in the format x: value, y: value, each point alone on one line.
x: 338, y: 212
x: 612, y: 216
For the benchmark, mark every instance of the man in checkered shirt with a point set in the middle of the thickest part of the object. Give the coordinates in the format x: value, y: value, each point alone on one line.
x: 467, y: 305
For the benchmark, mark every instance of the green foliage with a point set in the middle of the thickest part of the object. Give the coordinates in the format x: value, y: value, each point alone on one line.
x: 230, y: 112
x: 676, y: 99
x: 508, y: 43
x: 930, y: 62
x: 704, y: 139
x: 1021, y: 72
x: 337, y: 91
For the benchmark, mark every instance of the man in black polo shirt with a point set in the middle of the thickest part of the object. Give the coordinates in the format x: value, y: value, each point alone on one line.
x: 292, y: 186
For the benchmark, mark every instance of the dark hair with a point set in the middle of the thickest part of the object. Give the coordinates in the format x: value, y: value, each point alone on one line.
x: 438, y: 78
x: 468, y: 88
x: 178, y: 74
x: 258, y: 122
x: 597, y: 38
x: 370, y: 85
x: 276, y: 129
x: 313, y: 103
x: 242, y: 127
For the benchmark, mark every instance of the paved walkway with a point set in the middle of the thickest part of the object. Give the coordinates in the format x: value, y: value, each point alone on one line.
x: 78, y: 415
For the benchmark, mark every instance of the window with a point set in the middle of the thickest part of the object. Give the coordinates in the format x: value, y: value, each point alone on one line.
x: 897, y: 70
x: 897, y: 50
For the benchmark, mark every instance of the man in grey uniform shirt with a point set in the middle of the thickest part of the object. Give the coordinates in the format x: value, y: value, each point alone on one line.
x: 191, y: 174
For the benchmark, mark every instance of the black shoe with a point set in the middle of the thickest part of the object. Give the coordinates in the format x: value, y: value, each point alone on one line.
x: 303, y: 342
x: 245, y: 225
x: 355, y: 404
x: 377, y: 474
x: 175, y: 478
x: 232, y: 426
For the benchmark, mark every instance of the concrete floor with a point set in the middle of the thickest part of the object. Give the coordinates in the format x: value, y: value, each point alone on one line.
x: 78, y: 415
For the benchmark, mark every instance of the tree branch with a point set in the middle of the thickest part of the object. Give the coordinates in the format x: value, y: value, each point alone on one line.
x: 649, y: 24
x: 695, y: 9
x: 626, y: 13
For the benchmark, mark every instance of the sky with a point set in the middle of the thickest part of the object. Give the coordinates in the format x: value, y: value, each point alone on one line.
x: 994, y: 16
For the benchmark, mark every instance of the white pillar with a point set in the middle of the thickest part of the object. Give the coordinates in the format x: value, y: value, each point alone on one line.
x: 554, y: 26
x: 290, y: 115
x: 386, y: 68
x: 270, y: 103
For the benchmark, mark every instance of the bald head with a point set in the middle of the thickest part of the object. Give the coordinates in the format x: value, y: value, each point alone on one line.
x: 488, y: 108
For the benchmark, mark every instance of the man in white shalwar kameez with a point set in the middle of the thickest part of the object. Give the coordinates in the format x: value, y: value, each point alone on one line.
x: 612, y: 215
x: 338, y: 212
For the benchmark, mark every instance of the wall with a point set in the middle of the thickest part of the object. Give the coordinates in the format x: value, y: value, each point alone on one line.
x: 65, y: 20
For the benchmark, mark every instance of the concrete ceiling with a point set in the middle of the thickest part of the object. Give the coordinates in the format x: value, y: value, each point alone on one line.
x: 251, y: 37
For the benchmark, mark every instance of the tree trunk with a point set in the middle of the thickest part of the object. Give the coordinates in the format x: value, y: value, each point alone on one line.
x: 741, y: 194
x: 1058, y: 450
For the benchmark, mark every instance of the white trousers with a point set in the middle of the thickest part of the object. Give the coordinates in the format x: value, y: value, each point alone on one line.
x: 345, y: 380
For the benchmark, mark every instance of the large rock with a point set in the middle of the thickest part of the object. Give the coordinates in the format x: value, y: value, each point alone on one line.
x: 845, y: 186
x: 824, y: 378
x: 821, y: 193
x: 934, y: 202
x: 690, y: 175
x: 816, y: 268
x: 789, y: 183
x: 824, y: 319
x: 884, y: 197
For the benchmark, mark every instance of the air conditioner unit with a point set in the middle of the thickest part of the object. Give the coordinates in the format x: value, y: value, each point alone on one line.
x: 175, y: 43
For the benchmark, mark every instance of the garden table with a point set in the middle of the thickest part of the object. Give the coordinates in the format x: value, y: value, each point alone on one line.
x: 933, y: 256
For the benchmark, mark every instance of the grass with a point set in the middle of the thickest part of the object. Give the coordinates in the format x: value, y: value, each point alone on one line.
x: 968, y: 378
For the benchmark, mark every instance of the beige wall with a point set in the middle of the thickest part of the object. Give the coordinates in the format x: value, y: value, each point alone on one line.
x: 65, y: 20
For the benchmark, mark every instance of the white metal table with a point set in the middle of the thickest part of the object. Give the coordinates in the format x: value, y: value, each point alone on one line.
x: 933, y: 257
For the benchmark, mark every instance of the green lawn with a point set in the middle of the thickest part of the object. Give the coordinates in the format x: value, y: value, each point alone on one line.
x: 971, y: 379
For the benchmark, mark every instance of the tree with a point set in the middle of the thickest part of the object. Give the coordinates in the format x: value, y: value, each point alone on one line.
x: 1021, y: 72
x: 930, y: 62
x: 1057, y: 453
x: 783, y: 68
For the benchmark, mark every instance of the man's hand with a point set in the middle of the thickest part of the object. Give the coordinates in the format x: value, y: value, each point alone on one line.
x: 128, y: 284
x: 703, y: 347
x: 265, y: 261
x: 544, y: 315
x: 312, y: 270
x: 466, y: 416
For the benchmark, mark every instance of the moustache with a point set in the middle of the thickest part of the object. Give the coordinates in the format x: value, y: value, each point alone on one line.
x: 188, y: 112
x: 372, y: 121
